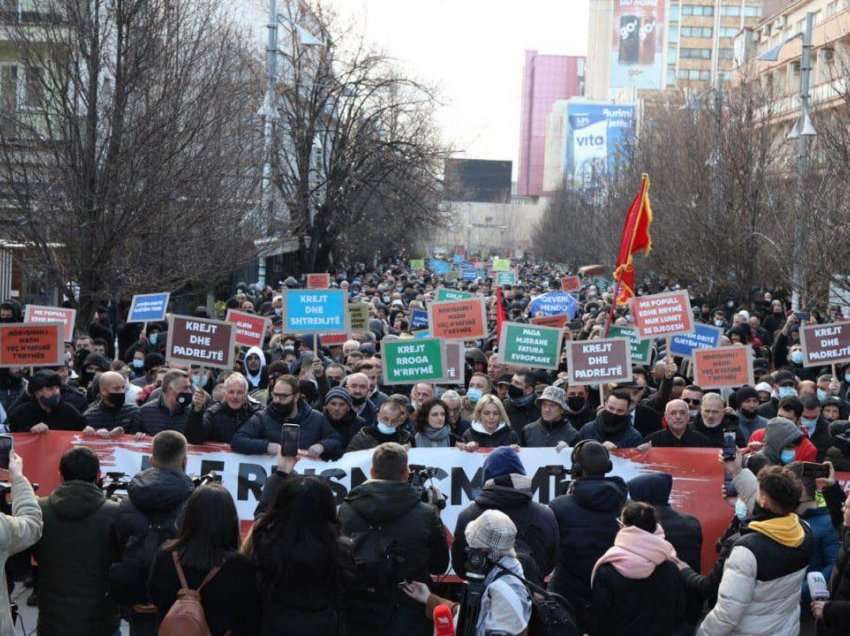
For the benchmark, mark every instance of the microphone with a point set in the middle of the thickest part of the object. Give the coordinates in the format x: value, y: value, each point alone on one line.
x: 443, y: 621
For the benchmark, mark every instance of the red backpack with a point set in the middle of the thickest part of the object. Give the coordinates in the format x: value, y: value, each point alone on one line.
x: 186, y: 617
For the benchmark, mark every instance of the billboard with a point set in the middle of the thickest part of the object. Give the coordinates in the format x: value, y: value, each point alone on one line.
x: 637, y: 44
x: 596, y: 132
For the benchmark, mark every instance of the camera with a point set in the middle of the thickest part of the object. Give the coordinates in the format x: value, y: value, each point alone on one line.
x: 203, y: 480
x: 419, y: 475
x: 477, y: 561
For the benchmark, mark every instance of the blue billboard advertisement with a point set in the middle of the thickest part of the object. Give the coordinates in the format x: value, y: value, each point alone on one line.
x: 596, y: 132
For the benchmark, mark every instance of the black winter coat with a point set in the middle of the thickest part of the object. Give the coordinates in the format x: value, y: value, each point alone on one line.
x: 522, y: 416
x: 715, y: 435
x: 266, y: 426
x: 62, y: 418
x: 537, y: 530
x: 155, y: 496
x: 415, y: 526
x: 100, y: 416
x: 347, y: 428
x: 587, y: 525
x: 73, y: 395
x: 230, y: 600
x: 540, y: 434
x: 370, y: 437
x: 154, y: 417
x: 836, y: 613
x: 77, y: 545
x: 626, y: 607
x: 218, y: 422
x: 504, y: 436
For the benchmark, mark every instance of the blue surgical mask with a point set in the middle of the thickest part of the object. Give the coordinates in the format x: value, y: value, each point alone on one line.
x: 153, y: 338
x: 473, y: 395
x: 385, y: 429
x: 787, y: 391
x: 823, y: 396
x: 138, y: 364
x: 740, y: 510
x: 847, y: 377
x: 796, y: 357
x: 809, y: 424
x: 199, y: 379
x: 786, y: 456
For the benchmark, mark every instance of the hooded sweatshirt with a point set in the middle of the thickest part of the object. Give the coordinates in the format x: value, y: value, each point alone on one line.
x: 779, y: 433
x: 255, y: 380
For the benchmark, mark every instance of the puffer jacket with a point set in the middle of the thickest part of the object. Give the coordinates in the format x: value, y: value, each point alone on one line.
x: 760, y: 590
x: 502, y: 436
x: 543, y: 434
x: 266, y: 426
x: 100, y: 416
x: 218, y: 422
x: 18, y: 531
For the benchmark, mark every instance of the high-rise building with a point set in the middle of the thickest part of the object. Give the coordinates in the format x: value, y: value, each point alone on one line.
x: 546, y: 79
x: 695, y: 44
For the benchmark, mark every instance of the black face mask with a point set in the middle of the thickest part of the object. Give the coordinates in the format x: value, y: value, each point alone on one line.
x: 358, y: 401
x: 332, y: 382
x: 515, y: 393
x: 86, y: 377
x: 117, y: 400
x: 184, y: 399
x: 576, y: 403
x: 612, y: 424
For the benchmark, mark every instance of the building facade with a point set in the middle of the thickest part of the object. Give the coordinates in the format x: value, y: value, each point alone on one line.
x: 546, y: 79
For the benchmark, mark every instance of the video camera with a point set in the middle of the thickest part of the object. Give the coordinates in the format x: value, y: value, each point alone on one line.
x: 419, y: 475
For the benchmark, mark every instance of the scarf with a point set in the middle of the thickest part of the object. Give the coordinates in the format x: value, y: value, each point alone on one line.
x: 636, y: 553
x: 433, y: 437
x: 524, y: 401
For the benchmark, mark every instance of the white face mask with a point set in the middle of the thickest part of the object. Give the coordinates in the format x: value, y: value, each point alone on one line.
x: 740, y: 510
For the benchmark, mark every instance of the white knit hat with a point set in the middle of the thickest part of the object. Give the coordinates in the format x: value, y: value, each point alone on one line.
x: 493, y: 530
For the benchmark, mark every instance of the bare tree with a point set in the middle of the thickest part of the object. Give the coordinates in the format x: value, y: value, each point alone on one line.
x: 131, y: 156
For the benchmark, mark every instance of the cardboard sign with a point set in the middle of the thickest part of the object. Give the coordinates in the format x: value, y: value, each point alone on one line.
x: 40, y: 314
x: 559, y: 321
x: 667, y: 314
x: 504, y: 279
x: 723, y: 367
x: 455, y: 362
x: 439, y: 267
x: 315, y: 311
x: 444, y: 293
x: 32, y: 344
x: 523, y: 345
x: 250, y: 328
x: 333, y: 339
x: 200, y: 341
x: 825, y: 344
x: 417, y: 264
x: 358, y: 315
x: 458, y: 319
x: 451, y: 276
x: 318, y: 281
x: 419, y: 319
x: 571, y: 283
x: 501, y: 264
x: 468, y: 271
x: 409, y: 361
x: 641, y: 350
x: 599, y: 361
x: 148, y: 307
x: 703, y: 337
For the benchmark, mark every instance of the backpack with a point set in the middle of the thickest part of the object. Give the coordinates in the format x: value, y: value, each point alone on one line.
x: 186, y: 616
x: 551, y: 614
x: 128, y: 578
x: 377, y: 559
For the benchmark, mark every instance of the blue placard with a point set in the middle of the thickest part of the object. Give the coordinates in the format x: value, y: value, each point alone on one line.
x: 703, y: 337
x: 419, y: 319
x: 553, y: 303
x: 315, y: 311
x: 457, y: 259
x: 148, y: 307
x: 439, y: 267
x: 468, y: 272
x: 426, y: 333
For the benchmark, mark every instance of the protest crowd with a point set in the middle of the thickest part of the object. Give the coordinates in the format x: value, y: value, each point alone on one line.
x: 606, y: 556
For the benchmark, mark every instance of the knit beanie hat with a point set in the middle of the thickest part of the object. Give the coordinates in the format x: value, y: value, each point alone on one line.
x: 340, y: 393
x: 502, y: 461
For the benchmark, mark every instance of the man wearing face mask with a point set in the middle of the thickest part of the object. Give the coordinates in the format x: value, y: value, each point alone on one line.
x: 110, y: 415
x: 784, y: 385
x: 787, y: 353
x: 749, y: 421
x: 578, y: 411
x: 815, y: 427
x: 261, y: 434
x: 479, y: 386
x: 521, y: 406
x: 387, y: 428
x: 46, y: 410
x: 357, y: 385
x: 612, y: 427
x: 153, y: 363
x: 169, y: 411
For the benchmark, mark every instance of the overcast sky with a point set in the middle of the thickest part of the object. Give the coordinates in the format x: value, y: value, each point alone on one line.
x: 473, y: 50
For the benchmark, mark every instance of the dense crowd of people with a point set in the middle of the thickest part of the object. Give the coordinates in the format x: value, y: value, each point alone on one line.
x: 615, y: 556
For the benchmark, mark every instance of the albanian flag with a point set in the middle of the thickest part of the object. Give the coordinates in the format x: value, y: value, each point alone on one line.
x: 635, y: 239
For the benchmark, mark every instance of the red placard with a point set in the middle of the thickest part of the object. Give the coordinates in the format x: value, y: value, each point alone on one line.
x: 571, y: 283
x: 458, y: 319
x: 250, y: 328
x: 39, y: 313
x: 330, y: 339
x: 723, y: 367
x: 559, y: 321
x: 318, y: 281
x: 662, y: 315
x: 32, y: 345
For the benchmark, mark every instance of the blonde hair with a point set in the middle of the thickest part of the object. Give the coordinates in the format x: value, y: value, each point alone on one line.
x: 486, y: 400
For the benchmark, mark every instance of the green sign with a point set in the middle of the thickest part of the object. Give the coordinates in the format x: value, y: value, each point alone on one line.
x: 443, y: 293
x: 524, y: 345
x: 417, y: 264
x: 501, y: 264
x: 641, y: 349
x: 451, y: 276
x: 505, y: 278
x: 409, y: 361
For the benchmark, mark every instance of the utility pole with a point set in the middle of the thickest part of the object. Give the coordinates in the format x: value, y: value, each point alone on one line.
x: 802, y: 132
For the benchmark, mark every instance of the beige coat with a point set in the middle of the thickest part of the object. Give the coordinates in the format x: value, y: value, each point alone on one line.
x: 17, y: 532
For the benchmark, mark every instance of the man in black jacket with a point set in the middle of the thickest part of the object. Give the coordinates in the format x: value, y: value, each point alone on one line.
x: 46, y: 410
x: 110, y: 415
x: 146, y: 519
x: 815, y: 427
x: 339, y: 410
x: 677, y: 434
x: 219, y: 421
x: 387, y: 502
x: 76, y: 549
x: 507, y: 489
x: 713, y: 421
x: 553, y: 429
x: 169, y: 411
x: 587, y: 524
x: 521, y: 407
